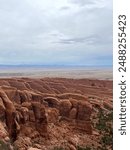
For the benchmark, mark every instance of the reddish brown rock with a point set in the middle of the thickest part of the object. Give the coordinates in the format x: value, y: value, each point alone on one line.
x: 84, y: 111
x: 56, y: 108
x: 25, y: 114
x: 23, y: 143
x: 2, y: 110
x: 73, y: 113
x: 27, y: 105
x: 40, y: 118
x: 10, y: 114
x: 37, y: 97
x: 65, y: 107
x: 26, y: 130
x: 84, y: 126
x: 31, y: 116
x: 74, y: 102
x: 71, y: 147
x: 52, y: 102
x: 3, y: 132
x: 52, y: 115
x: 12, y: 93
x: 24, y: 96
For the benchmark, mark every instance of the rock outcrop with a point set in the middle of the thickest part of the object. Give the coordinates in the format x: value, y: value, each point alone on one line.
x: 35, y: 111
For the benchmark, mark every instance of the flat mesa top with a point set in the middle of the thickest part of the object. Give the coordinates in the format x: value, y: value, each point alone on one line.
x: 59, y: 72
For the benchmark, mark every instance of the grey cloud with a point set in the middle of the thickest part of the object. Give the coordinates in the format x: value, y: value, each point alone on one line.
x: 87, y: 40
x: 65, y: 8
x: 57, y: 29
x: 83, y: 2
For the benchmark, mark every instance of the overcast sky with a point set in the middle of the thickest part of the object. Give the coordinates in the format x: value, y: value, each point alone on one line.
x: 56, y: 32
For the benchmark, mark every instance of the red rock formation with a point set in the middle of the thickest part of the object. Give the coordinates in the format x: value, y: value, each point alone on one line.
x: 40, y: 118
x: 73, y: 113
x: 52, y: 102
x: 33, y: 110
x: 2, y: 110
x: 53, y: 115
x: 9, y: 114
x: 84, y: 111
x: 65, y: 107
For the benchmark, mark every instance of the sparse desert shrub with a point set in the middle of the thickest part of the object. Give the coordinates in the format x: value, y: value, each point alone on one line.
x: 101, y: 125
x: 106, y: 140
x: 110, y: 116
x: 84, y: 148
x: 104, y: 124
x: 3, y: 146
x: 101, y: 148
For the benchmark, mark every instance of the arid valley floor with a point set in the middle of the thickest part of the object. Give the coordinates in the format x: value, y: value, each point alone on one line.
x: 56, y: 112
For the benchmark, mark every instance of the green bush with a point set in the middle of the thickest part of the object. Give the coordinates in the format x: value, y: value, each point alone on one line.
x: 83, y: 148
x: 3, y: 146
x: 104, y: 125
x: 107, y: 140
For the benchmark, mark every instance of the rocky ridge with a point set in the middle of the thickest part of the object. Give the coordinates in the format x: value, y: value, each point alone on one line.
x: 51, y: 113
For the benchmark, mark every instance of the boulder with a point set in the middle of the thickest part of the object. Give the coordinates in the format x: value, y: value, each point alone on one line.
x: 23, y: 142
x: 84, y: 111
x: 74, y: 102
x: 65, y: 107
x: 25, y: 114
x: 52, y: 115
x: 73, y: 113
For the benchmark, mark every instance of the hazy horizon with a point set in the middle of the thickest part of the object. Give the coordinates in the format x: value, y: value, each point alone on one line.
x: 56, y: 71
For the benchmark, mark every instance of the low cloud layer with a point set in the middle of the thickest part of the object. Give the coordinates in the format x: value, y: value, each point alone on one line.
x: 67, y: 32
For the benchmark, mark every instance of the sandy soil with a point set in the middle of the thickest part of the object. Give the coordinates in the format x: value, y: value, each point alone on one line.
x: 75, y: 73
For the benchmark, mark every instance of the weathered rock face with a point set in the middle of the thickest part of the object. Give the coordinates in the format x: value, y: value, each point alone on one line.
x: 52, y: 102
x: 65, y: 107
x: 2, y: 110
x: 3, y: 132
x: 73, y: 113
x: 23, y: 143
x: 74, y: 103
x: 53, y: 115
x: 24, y: 115
x: 39, y: 111
x: 31, y: 116
x: 27, y: 105
x: 40, y: 118
x: 19, y: 116
x: 14, y: 117
x: 4, y: 137
x: 84, y: 111
x: 9, y: 114
x: 84, y: 126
